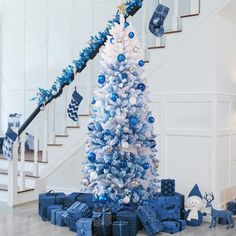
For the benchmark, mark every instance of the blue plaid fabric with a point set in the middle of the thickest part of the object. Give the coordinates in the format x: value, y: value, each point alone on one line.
x: 157, y: 20
x: 84, y: 227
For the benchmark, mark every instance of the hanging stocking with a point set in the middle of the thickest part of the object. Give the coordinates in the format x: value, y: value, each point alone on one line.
x: 157, y: 20
x: 73, y: 107
x: 10, y: 138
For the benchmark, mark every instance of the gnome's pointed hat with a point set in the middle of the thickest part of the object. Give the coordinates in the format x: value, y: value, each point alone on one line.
x: 195, y: 192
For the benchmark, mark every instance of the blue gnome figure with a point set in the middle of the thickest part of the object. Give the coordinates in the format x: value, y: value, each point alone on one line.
x: 193, y: 213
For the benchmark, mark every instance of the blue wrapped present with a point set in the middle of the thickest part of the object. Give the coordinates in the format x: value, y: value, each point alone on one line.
x: 168, y: 187
x: 173, y: 227
x: 71, y: 199
x: 59, y: 219
x: 52, y: 207
x: 48, y: 199
x: 161, y: 202
x: 102, y: 222
x: 84, y: 227
x: 131, y: 218
x: 148, y: 218
x: 65, y: 218
x: 120, y: 228
x: 75, y: 212
x: 171, y: 214
x: 53, y: 215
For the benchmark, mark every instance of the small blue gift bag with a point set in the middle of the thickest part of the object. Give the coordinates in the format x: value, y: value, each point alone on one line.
x: 84, y: 227
x: 120, y: 228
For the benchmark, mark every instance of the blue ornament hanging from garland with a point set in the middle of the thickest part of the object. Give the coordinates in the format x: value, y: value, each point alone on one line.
x: 141, y: 63
x: 131, y: 35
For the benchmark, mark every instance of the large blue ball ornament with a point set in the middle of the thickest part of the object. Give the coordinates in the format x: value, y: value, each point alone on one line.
x: 151, y: 119
x: 121, y: 57
x: 141, y: 63
x: 92, y: 156
x: 103, y: 198
x: 146, y: 166
x: 153, y: 143
x: 124, y: 76
x: 101, y: 79
x: 112, y: 40
x: 107, y: 132
x: 131, y: 35
x: 133, y: 121
x: 114, y: 97
x: 126, y: 24
x: 141, y: 86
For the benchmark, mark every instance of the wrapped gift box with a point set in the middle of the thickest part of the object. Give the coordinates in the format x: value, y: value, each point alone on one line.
x: 173, y: 227
x: 65, y: 218
x: 84, y: 227
x: 168, y: 187
x: 131, y: 218
x: 59, y: 219
x: 86, y: 198
x: 47, y: 199
x: 120, y: 228
x: 172, y: 214
x: 51, y: 208
x: 149, y: 220
x: 71, y: 199
x: 54, y: 216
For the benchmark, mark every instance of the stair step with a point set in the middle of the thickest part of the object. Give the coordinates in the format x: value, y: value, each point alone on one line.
x: 29, y: 157
x: 174, y: 31
x: 157, y: 47
x: 190, y: 15
x: 73, y: 127
x: 27, y: 174
x: 146, y: 61
x: 61, y: 135
x: 84, y: 114
x: 4, y: 188
x: 54, y: 145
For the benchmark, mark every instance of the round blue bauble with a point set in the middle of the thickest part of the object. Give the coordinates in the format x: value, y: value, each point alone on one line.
x: 133, y: 120
x: 131, y: 35
x: 101, y: 79
x: 106, y: 166
x: 124, y: 76
x: 123, y: 164
x: 121, y: 57
x: 114, y: 97
x: 141, y: 63
x: 112, y: 40
x: 151, y: 119
x: 107, y: 132
x: 146, y: 166
x: 92, y: 156
x: 102, y: 198
x: 126, y: 24
x: 153, y: 143
x: 141, y: 86
x: 93, y: 101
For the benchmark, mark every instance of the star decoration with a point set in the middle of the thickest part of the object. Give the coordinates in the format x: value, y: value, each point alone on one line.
x: 122, y: 8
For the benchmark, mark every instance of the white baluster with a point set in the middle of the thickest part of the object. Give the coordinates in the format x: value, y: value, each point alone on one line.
x: 52, y: 137
x: 175, y: 20
x: 13, y: 176
x: 194, y: 6
x: 46, y: 134
x: 66, y: 92
x: 36, y: 147
x: 22, y: 161
x: 143, y: 11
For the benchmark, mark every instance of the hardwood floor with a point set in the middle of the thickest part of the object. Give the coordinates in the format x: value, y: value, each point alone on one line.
x: 24, y: 221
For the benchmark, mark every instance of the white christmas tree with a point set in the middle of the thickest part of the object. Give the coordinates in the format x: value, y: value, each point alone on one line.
x: 121, y: 164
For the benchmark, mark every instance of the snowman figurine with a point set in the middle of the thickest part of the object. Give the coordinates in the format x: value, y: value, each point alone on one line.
x: 194, y: 212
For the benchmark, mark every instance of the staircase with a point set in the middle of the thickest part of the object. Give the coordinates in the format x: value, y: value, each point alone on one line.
x: 22, y: 179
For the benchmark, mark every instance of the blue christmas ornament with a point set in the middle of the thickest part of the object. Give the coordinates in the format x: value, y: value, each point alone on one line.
x: 151, y: 119
x: 146, y: 166
x: 107, y: 132
x: 133, y: 120
x: 152, y: 144
x: 112, y: 40
x: 126, y: 24
x: 91, y: 156
x: 141, y: 63
x: 121, y: 57
x: 124, y: 76
x: 123, y: 164
x: 101, y: 79
x: 114, y: 97
x: 141, y: 86
x: 131, y: 35
x: 93, y: 101
x: 106, y: 166
x: 102, y: 198
x: 91, y: 126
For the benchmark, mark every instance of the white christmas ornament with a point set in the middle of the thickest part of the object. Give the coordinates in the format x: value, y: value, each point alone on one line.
x: 125, y: 145
x: 85, y: 182
x: 126, y: 200
x: 93, y: 175
x: 132, y: 101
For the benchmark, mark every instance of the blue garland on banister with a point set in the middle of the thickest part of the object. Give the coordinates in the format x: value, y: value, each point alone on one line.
x: 88, y: 53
